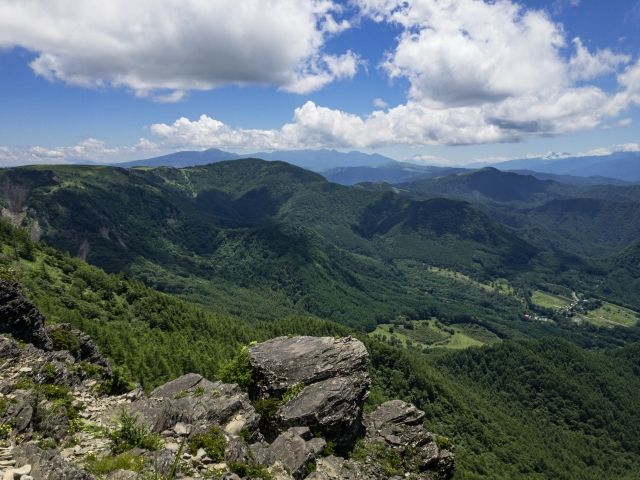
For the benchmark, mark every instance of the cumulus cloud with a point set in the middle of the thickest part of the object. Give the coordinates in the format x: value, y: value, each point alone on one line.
x: 586, y: 66
x: 163, y: 48
x: 479, y: 72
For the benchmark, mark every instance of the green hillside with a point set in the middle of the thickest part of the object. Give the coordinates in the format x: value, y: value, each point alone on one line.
x: 500, y: 404
x: 266, y: 239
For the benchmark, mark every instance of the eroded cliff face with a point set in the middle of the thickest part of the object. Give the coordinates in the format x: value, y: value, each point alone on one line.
x: 302, y: 416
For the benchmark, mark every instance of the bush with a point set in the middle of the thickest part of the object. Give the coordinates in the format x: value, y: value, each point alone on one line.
x: 250, y: 471
x: 65, y: 340
x: 238, y: 370
x: 118, y: 384
x: 131, y: 434
x: 213, y: 442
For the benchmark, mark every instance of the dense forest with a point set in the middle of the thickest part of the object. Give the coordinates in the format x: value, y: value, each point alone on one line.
x: 500, y: 404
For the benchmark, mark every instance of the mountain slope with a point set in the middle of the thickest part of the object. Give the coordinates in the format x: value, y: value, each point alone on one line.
x: 522, y: 409
x: 396, y: 172
x: 262, y: 238
x: 183, y: 159
x: 316, y: 160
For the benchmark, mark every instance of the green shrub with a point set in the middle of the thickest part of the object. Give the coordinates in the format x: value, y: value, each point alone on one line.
x: 118, y: 384
x: 65, y: 340
x: 213, y: 442
x: 238, y: 370
x: 110, y: 463
x: 250, y: 471
x: 292, y: 392
x: 5, y: 431
x: 49, y: 372
x: 388, y: 458
x: 130, y: 434
x: 267, y: 408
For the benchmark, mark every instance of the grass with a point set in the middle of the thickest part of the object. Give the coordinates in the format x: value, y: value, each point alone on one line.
x: 110, y: 463
x: 433, y: 334
x: 548, y: 300
x: 610, y: 315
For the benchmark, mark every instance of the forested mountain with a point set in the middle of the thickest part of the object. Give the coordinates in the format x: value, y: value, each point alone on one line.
x: 396, y: 172
x: 316, y: 160
x: 591, y: 220
x: 543, y: 408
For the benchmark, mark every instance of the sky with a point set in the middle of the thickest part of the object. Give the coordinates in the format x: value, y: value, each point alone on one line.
x: 432, y: 81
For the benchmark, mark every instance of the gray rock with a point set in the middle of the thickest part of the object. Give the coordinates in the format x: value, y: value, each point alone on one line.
x: 332, y: 407
x: 398, y: 425
x: 291, y: 450
x: 237, y: 451
x: 336, y: 468
x: 283, y: 362
x: 47, y: 464
x: 333, y: 373
x: 9, y: 348
x: 21, y: 411
x: 87, y: 349
x: 184, y: 384
x: 193, y: 400
x: 21, y: 318
x: 122, y: 475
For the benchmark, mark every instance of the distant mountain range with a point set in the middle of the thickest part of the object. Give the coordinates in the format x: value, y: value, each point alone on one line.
x: 618, y: 165
x: 350, y: 168
x: 316, y: 160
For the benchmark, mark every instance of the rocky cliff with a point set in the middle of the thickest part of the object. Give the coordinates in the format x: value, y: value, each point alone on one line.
x: 301, y: 416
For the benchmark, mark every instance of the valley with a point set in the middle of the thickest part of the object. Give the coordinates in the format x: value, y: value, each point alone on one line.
x: 442, y: 291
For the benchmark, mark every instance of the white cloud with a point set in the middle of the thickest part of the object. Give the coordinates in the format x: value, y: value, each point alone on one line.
x: 171, y: 46
x: 380, y: 103
x: 87, y: 150
x: 586, y: 66
x: 478, y: 72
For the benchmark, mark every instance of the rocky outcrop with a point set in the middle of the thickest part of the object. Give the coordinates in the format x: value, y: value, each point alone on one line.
x: 193, y: 403
x: 83, y: 348
x: 323, y: 382
x: 47, y: 464
x: 20, y: 317
x: 301, y: 419
x: 294, y: 449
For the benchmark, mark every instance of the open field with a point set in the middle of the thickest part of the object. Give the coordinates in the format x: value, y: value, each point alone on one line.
x: 499, y: 285
x: 549, y: 300
x: 433, y: 334
x: 609, y: 315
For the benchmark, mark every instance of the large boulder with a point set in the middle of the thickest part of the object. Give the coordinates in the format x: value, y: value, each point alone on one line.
x: 21, y: 318
x: 322, y: 383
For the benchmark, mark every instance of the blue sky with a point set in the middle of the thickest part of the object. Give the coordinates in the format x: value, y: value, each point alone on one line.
x: 438, y: 81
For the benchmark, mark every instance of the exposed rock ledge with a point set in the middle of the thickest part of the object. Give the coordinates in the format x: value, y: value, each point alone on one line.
x: 309, y: 390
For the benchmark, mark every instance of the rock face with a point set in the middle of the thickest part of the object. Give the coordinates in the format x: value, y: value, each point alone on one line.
x: 327, y: 378
x: 20, y: 317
